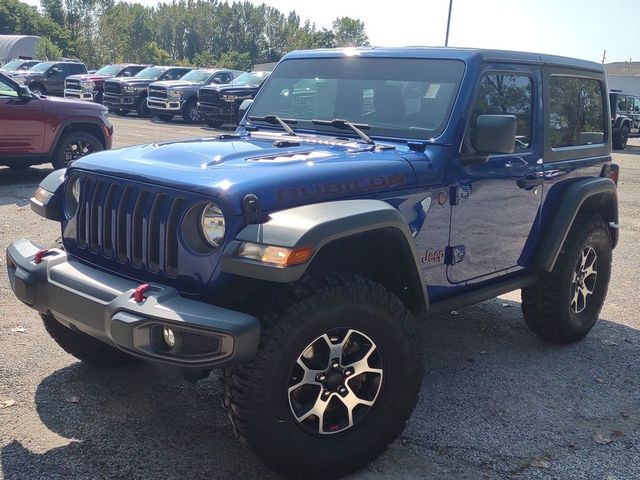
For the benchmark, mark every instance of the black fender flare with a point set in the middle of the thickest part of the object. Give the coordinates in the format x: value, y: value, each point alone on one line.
x: 556, y: 228
x: 314, y: 226
x: 70, y: 124
x: 47, y: 201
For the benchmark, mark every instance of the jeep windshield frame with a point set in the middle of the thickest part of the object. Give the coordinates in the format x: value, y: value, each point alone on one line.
x: 404, y: 98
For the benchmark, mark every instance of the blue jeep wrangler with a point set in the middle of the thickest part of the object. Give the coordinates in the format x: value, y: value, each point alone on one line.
x: 364, y: 190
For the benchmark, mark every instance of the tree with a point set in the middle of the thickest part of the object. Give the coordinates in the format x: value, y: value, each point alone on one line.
x: 152, y: 53
x: 350, y: 32
x: 54, y: 9
x: 235, y: 60
x: 47, y: 50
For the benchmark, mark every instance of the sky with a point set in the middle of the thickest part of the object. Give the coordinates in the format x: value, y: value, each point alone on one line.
x: 575, y: 28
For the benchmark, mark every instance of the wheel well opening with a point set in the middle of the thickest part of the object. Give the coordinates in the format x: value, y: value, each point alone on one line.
x: 382, y: 256
x: 605, y: 206
x: 91, y: 128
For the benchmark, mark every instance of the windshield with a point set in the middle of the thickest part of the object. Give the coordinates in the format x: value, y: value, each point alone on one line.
x: 197, y: 76
x: 395, y: 97
x: 13, y: 65
x: 109, y: 70
x: 42, y: 67
x: 250, y: 79
x: 150, y: 73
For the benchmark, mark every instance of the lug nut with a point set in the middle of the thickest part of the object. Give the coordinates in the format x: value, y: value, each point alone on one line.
x: 335, y: 364
x: 321, y: 377
x: 325, y: 393
x: 342, y: 390
x: 348, y: 372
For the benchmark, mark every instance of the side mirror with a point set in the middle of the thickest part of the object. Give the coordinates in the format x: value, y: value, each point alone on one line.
x: 244, y: 106
x: 495, y: 134
x: 24, y: 93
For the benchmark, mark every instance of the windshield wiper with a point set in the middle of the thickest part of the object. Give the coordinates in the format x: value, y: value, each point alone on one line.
x: 277, y: 120
x: 344, y: 124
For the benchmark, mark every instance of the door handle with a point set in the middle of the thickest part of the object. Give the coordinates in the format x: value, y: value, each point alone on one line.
x: 530, y: 182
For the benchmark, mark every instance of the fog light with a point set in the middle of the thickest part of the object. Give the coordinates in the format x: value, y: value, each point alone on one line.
x: 169, y: 337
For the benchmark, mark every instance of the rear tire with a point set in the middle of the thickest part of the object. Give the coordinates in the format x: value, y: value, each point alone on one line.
x: 620, y: 140
x: 84, y: 347
x: 38, y: 89
x: 74, y: 145
x: 362, y: 326
x: 563, y: 306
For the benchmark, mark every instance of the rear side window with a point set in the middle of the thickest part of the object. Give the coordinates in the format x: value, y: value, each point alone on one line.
x: 622, y: 104
x: 576, y: 111
x: 505, y: 94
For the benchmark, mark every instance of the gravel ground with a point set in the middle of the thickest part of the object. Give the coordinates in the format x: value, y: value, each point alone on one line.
x: 495, y: 403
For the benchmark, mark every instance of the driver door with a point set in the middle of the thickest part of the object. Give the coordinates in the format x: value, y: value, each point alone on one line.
x: 21, y: 127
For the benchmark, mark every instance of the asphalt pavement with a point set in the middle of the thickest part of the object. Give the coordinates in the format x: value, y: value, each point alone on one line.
x: 495, y: 403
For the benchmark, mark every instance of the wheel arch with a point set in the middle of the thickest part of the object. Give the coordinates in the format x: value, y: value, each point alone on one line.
x: 366, y: 237
x: 597, y: 195
x: 86, y: 126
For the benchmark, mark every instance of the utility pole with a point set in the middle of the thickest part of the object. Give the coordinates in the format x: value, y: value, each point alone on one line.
x: 604, y: 56
x: 446, y: 40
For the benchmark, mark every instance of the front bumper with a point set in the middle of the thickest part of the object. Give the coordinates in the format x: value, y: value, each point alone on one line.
x: 80, y: 94
x: 119, y: 101
x: 165, y: 105
x: 102, y: 305
x: 216, y: 112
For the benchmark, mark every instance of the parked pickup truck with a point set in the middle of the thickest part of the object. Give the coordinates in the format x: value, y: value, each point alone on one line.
x: 364, y: 191
x: 90, y: 86
x: 47, y: 78
x: 16, y: 66
x: 219, y: 104
x: 124, y: 94
x: 180, y: 97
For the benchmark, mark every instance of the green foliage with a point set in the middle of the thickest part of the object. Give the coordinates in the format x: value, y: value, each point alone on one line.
x: 234, y: 60
x: 195, y: 32
x: 350, y: 32
x: 47, y: 50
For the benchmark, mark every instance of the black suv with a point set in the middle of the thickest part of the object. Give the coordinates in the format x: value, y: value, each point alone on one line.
x: 122, y: 95
x: 48, y: 77
x: 625, y: 117
x: 219, y: 104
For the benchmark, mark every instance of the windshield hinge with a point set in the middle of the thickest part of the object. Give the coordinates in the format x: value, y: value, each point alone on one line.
x: 454, y: 254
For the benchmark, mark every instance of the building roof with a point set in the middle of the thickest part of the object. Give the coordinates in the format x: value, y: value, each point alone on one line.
x: 15, y: 46
x: 627, y: 69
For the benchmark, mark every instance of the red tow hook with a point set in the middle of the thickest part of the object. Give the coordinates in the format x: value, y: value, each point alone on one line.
x: 138, y: 294
x: 40, y: 254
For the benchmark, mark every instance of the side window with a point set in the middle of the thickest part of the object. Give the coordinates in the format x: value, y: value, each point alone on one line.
x: 622, y: 104
x: 505, y: 94
x: 78, y: 69
x: 576, y: 111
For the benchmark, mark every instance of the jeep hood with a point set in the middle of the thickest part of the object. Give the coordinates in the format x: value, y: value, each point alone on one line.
x: 319, y: 169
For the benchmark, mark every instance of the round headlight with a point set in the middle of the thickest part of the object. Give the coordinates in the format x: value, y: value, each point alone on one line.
x: 212, y: 224
x: 72, y: 197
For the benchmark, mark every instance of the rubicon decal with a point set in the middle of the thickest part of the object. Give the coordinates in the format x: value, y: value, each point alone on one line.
x: 358, y: 185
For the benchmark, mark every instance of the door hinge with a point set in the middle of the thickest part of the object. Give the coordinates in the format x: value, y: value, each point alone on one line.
x: 454, y: 254
x: 459, y: 194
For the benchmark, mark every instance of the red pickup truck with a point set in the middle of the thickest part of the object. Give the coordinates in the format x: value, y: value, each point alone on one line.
x: 38, y: 129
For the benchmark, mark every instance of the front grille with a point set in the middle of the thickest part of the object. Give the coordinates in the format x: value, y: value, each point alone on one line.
x: 158, y: 92
x: 112, y: 87
x: 209, y: 96
x: 133, y: 225
x: 72, y: 84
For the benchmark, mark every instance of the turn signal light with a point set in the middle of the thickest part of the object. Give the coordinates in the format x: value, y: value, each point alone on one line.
x: 275, y: 255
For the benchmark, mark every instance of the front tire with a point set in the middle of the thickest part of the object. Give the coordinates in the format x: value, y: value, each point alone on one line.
x: 565, y: 303
x: 74, y: 145
x: 191, y: 113
x: 335, y: 378
x: 38, y: 89
x: 164, y: 117
x: 142, y: 109
x: 84, y: 347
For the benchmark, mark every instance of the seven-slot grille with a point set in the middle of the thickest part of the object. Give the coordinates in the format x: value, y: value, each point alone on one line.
x: 158, y: 92
x: 72, y: 84
x: 130, y: 224
x: 207, y: 95
x: 112, y: 87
